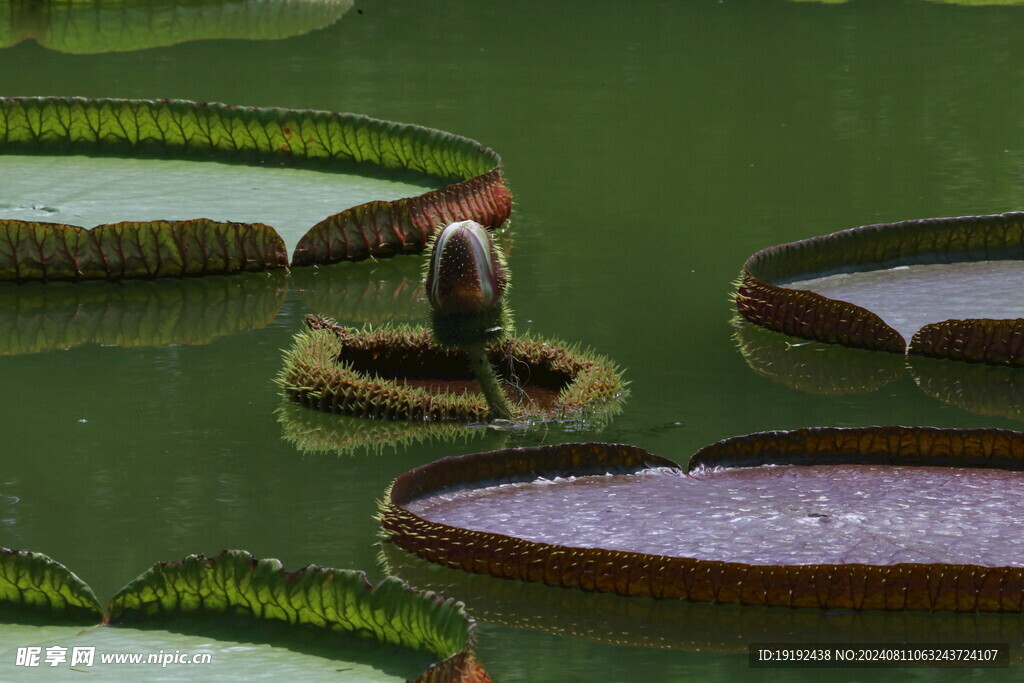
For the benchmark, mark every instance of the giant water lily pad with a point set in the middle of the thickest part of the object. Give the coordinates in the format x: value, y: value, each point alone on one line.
x: 945, y: 284
x: 41, y: 242
x: 402, y: 374
x: 119, y: 25
x: 866, y: 518
x: 207, y: 606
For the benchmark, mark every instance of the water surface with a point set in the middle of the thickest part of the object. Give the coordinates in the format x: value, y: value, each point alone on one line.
x: 651, y: 147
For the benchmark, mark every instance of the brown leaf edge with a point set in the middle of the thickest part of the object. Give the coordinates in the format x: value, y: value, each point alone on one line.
x: 903, y: 586
x: 182, y: 129
x: 47, y: 252
x: 380, y: 229
x: 762, y: 297
x: 975, y: 340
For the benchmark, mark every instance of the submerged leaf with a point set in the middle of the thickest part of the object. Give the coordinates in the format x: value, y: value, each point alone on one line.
x: 33, y: 585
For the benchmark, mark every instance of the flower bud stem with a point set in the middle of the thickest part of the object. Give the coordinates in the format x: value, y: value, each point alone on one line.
x: 488, y: 380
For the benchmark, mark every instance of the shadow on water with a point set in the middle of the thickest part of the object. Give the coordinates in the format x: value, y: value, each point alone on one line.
x: 681, y: 625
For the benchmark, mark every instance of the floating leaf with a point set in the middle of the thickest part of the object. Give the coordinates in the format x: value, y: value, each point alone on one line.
x: 49, y: 251
x: 234, y: 593
x: 769, y: 293
x: 33, y: 585
x: 401, y: 374
x: 122, y: 25
x: 235, y: 584
x: 180, y: 129
x: 412, y: 518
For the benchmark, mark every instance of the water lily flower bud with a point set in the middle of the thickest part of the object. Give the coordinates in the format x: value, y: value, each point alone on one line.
x: 466, y: 274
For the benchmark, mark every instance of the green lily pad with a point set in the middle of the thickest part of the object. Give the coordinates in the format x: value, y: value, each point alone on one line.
x: 149, y: 246
x: 88, y: 191
x: 33, y: 585
x: 934, y: 281
x: 90, y: 26
x: 651, y: 530
x: 238, y: 611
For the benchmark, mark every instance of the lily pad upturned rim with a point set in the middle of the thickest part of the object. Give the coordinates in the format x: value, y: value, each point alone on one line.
x: 234, y: 584
x: 313, y: 376
x: 904, y: 586
x: 806, y: 314
x: 182, y: 129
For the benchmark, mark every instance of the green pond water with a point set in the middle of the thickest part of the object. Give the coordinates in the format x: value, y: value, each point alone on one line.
x: 651, y: 147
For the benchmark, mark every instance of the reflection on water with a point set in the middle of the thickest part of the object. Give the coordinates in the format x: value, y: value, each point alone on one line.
x: 122, y: 25
x: 38, y: 317
x: 651, y: 147
x: 389, y: 291
x: 682, y: 625
x: 977, y: 388
x: 815, y: 367
x: 313, y: 432
x: 833, y: 370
